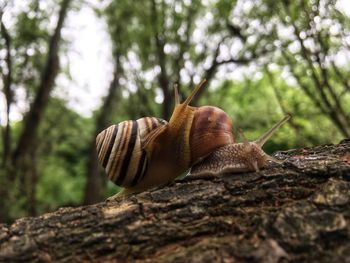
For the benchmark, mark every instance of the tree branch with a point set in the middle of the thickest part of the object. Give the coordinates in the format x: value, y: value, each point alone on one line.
x: 211, y: 71
x: 293, y: 212
x: 281, y: 102
x: 330, y: 110
x: 236, y: 31
x: 305, y: 88
x: 343, y: 116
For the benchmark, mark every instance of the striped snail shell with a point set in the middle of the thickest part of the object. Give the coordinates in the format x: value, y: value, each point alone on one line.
x: 120, y: 149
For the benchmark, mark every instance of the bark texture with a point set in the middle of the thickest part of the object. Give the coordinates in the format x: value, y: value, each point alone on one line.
x: 295, y: 212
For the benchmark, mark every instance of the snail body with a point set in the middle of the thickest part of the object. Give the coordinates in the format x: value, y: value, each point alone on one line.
x: 238, y: 157
x: 137, y: 157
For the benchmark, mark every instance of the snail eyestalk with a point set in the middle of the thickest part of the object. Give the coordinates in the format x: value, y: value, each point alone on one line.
x: 189, y: 98
x: 176, y: 93
x: 263, y: 139
x: 244, y: 139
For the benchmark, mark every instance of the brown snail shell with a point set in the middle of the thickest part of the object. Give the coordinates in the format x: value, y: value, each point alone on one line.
x: 211, y: 129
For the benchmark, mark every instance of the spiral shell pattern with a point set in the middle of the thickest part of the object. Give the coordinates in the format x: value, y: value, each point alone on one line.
x: 120, y: 150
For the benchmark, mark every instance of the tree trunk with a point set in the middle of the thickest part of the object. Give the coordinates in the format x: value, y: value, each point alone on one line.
x: 34, y: 116
x: 96, y: 182
x: 7, y: 84
x: 5, y: 179
x: 22, y: 159
x: 163, y: 77
x: 295, y: 212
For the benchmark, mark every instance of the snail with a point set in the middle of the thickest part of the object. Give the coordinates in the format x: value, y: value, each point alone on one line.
x: 238, y: 157
x: 138, y: 155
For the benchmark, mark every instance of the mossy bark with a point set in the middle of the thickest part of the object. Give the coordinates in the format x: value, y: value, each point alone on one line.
x: 295, y: 212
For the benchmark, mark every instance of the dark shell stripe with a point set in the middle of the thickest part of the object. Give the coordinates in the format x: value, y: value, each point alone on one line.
x: 99, y: 141
x: 140, y: 169
x: 147, y: 125
x: 117, y: 175
x: 110, y: 146
x: 138, y: 163
x: 120, y: 144
x: 126, y: 159
x: 139, y: 160
x: 120, y: 150
x: 144, y: 169
x: 105, y: 143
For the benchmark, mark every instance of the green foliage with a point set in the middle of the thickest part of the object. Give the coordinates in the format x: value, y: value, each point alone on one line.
x: 254, y: 107
x: 63, y: 151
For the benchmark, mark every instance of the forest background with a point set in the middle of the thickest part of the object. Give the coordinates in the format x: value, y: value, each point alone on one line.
x: 261, y: 59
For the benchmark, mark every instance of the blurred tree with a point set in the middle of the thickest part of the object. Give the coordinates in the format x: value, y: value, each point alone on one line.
x: 24, y: 154
x: 95, y: 187
x: 25, y: 65
x: 7, y: 88
x: 178, y: 42
x: 63, y: 152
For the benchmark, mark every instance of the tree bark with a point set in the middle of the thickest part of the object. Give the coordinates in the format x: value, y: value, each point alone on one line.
x: 295, y: 212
